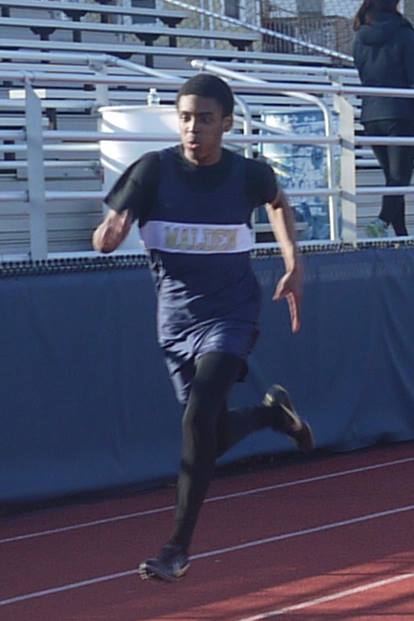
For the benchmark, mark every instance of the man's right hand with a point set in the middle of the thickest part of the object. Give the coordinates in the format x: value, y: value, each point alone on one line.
x: 112, y: 231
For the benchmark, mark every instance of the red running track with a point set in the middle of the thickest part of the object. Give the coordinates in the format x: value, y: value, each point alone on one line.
x: 331, y: 538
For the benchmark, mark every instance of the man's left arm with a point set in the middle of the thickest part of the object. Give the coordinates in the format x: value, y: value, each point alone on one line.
x: 290, y: 286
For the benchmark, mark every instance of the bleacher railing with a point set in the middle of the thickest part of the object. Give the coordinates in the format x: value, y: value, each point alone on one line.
x: 312, y: 47
x: 35, y: 141
x: 331, y: 193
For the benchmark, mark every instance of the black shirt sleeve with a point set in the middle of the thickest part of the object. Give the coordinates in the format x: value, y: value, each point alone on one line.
x: 136, y: 188
x: 262, y: 183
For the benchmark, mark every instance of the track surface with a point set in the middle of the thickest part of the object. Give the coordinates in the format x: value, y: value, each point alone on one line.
x: 327, y: 539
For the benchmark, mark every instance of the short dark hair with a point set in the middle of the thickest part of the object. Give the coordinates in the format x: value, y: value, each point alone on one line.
x: 210, y: 86
x: 369, y: 8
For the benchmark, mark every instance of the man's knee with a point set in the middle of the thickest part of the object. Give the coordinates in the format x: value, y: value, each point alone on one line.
x: 198, y: 415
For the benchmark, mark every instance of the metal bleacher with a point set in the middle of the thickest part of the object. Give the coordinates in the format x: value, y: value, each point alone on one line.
x: 37, y: 42
x: 147, y: 33
x: 78, y: 10
x: 84, y: 27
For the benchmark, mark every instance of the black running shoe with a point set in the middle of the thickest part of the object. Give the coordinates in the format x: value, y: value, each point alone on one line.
x: 170, y: 565
x: 286, y: 420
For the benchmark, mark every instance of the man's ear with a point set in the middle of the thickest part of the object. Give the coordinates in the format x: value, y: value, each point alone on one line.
x: 227, y: 123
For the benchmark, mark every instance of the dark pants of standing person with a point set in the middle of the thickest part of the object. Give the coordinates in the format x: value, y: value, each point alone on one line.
x: 397, y: 163
x: 209, y: 429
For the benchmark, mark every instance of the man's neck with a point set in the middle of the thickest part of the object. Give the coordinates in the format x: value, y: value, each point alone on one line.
x: 208, y: 160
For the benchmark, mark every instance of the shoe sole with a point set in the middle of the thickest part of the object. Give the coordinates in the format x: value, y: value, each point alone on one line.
x: 301, y: 432
x: 147, y: 571
x: 306, y: 443
x: 279, y: 396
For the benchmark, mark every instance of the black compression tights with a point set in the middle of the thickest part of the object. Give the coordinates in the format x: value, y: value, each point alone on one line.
x: 208, y: 431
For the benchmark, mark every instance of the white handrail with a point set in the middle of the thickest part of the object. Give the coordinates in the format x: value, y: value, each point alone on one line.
x: 288, y: 68
x: 51, y: 164
x: 16, y: 195
x: 92, y: 60
x: 173, y: 82
x: 51, y: 134
x: 12, y: 134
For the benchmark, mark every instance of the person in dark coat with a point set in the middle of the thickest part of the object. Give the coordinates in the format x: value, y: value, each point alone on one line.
x: 384, y: 56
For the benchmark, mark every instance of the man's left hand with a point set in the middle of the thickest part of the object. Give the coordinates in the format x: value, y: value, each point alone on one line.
x: 290, y: 286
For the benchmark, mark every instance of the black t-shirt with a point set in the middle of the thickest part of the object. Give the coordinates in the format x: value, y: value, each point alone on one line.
x: 195, y: 224
x: 136, y: 189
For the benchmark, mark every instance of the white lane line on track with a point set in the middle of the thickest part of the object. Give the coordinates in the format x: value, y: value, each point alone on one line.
x: 217, y: 552
x: 306, y: 531
x: 249, y: 492
x: 67, y: 587
x: 329, y: 598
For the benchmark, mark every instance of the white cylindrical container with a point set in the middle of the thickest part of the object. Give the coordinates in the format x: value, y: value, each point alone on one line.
x: 117, y: 155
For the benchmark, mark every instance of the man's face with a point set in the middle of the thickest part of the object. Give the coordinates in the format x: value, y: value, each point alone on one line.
x: 201, y: 124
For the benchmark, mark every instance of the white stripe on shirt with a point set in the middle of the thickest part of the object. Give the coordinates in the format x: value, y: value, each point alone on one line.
x: 196, y: 238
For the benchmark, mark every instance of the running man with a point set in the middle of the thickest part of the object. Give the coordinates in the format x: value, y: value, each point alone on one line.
x: 193, y: 204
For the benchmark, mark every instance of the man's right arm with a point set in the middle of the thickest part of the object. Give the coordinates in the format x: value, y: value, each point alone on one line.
x: 112, y: 231
x: 130, y: 199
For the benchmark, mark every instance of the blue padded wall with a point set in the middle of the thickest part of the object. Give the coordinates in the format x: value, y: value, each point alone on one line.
x: 86, y: 402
